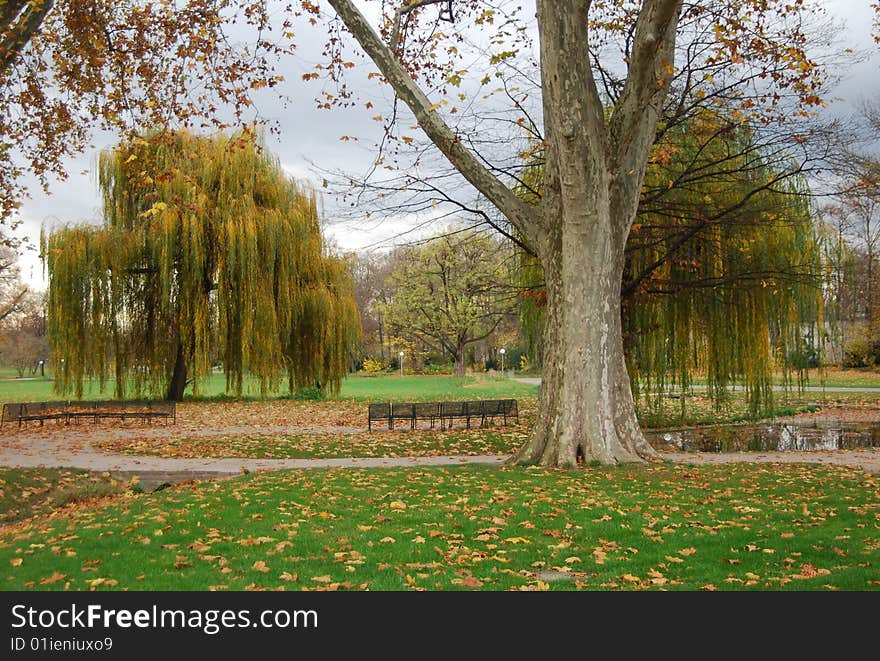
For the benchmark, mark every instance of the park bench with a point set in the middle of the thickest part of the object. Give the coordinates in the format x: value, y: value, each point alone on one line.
x: 75, y: 411
x: 446, y: 412
x: 33, y: 411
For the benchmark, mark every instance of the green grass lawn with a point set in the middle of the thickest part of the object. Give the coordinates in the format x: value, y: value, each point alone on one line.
x: 830, y: 377
x: 375, y: 388
x: 431, y: 388
x: 384, y: 387
x: 659, y: 527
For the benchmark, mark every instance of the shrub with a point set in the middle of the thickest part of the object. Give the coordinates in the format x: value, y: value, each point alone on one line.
x: 310, y: 394
x: 373, y: 366
x: 862, y: 348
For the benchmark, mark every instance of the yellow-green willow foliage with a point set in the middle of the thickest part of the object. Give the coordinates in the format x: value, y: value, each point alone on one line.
x: 724, y: 268
x: 738, y: 288
x: 209, y: 254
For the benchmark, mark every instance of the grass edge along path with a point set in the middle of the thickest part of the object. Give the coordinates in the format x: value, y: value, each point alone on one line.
x: 666, y: 526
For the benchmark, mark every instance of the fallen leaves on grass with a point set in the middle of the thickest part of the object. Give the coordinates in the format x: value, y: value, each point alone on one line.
x: 467, y: 528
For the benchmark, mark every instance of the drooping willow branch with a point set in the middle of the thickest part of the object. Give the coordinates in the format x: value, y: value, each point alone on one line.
x: 209, y: 255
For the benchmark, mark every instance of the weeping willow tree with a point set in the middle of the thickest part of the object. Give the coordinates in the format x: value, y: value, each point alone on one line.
x: 723, y: 271
x: 209, y: 254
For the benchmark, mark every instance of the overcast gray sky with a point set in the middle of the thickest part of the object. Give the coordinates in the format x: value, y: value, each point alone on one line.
x: 308, y: 135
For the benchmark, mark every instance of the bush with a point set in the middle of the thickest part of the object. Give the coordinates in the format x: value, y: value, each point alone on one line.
x: 862, y: 349
x: 373, y: 366
x: 310, y: 394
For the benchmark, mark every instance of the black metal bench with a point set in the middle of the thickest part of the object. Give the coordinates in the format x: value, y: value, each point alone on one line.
x: 33, y: 411
x: 446, y: 412
x: 404, y: 411
x: 144, y: 410
x: 378, y: 412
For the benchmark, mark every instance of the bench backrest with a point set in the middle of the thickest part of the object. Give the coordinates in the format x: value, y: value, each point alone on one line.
x: 403, y: 410
x: 13, y: 411
x: 427, y: 410
x: 453, y: 409
x: 379, y: 411
x: 475, y: 408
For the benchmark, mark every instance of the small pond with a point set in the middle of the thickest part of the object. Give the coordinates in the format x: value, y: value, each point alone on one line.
x: 788, y: 436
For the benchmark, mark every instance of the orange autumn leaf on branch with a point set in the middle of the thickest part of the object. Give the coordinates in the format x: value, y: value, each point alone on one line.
x: 68, y: 67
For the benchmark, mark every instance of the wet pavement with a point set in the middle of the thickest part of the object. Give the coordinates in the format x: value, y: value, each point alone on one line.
x: 62, y: 448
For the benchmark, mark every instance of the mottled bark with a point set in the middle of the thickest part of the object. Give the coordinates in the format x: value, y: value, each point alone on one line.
x: 586, y: 411
x: 19, y: 22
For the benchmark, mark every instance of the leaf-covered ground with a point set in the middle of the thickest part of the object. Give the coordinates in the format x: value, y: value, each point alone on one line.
x: 30, y: 492
x: 661, y: 527
x: 501, y: 440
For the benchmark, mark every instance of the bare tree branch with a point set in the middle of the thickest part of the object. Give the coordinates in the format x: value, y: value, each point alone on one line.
x: 518, y: 212
x: 15, y: 37
x: 400, y: 12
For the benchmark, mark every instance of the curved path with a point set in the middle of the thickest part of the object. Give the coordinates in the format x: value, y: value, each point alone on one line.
x: 536, y: 381
x: 74, y: 450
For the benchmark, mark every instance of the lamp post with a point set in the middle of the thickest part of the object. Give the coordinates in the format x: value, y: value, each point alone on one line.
x: 401, y: 362
x: 502, y: 352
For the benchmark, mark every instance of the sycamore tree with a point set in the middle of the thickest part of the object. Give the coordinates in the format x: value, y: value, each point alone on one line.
x: 450, y: 293
x: 209, y: 254
x: 596, y: 147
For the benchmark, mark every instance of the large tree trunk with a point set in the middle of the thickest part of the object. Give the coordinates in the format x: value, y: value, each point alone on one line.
x: 594, y: 166
x: 592, y: 181
x: 177, y: 385
x: 586, y: 411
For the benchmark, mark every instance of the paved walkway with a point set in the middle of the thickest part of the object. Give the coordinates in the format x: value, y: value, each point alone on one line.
x: 536, y: 381
x: 74, y: 450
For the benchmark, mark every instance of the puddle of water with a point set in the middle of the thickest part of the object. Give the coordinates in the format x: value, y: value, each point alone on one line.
x: 770, y: 437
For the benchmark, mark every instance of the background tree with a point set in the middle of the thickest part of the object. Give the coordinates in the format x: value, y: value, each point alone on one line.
x: 852, y: 228
x: 450, y: 293
x: 13, y: 292
x: 23, y: 336
x: 208, y: 253
x: 371, y: 295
